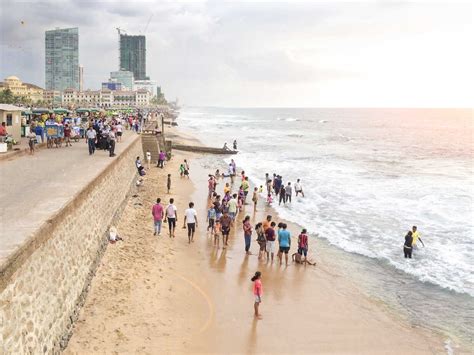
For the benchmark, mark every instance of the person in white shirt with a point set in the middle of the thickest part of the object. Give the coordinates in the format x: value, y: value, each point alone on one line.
x: 298, y: 188
x: 148, y: 159
x: 172, y: 217
x: 190, y: 216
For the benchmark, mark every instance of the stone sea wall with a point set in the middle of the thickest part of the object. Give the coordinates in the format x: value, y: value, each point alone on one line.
x: 42, y: 290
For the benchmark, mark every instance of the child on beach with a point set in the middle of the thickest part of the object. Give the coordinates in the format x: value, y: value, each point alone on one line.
x: 257, y: 292
x: 181, y: 170
x: 211, y: 218
x: 217, y: 234
x: 168, y: 183
x: 269, y: 199
x: 260, y: 189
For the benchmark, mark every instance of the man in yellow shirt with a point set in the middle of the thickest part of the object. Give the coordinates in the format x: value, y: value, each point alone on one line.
x: 416, y: 237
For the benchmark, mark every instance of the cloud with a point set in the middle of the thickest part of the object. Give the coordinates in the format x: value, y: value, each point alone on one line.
x: 266, y: 53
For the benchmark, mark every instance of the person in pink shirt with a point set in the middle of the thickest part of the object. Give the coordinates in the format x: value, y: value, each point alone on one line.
x: 257, y: 292
x: 157, y: 212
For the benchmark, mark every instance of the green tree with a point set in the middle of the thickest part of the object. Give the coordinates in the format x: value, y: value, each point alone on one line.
x: 7, y: 97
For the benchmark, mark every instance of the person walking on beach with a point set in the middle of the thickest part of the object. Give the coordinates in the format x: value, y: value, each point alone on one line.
x: 303, y: 244
x: 91, y: 137
x: 232, y: 205
x: 190, y: 216
x: 168, y: 183
x: 298, y: 188
x: 284, y: 241
x: 257, y: 292
x: 247, y: 234
x: 157, y: 212
x: 270, y: 245
x: 211, y: 219
x: 171, y: 217
x: 245, y: 186
x: 407, y: 247
x: 225, y: 222
x: 282, y: 196
x: 288, y: 191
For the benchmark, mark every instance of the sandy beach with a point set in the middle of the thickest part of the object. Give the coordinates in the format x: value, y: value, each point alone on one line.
x: 153, y: 294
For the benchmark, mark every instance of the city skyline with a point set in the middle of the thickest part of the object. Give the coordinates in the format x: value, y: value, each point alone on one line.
x: 267, y: 53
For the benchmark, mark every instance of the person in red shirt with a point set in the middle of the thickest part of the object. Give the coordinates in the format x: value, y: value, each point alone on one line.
x: 3, y: 130
x: 158, y: 212
x: 303, y: 244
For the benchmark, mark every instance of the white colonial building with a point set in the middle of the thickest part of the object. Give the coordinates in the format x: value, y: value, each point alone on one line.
x: 106, y: 98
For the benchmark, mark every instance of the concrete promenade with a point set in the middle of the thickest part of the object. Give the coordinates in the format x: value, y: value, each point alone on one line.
x: 34, y: 188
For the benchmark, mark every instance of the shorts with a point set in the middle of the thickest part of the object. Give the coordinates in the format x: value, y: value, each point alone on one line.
x: 284, y: 250
x: 303, y: 251
x: 171, y: 223
x: 191, y: 228
x: 225, y: 231
x: 232, y: 215
x: 119, y: 134
x: 262, y: 245
x: 270, y: 246
x: 258, y: 299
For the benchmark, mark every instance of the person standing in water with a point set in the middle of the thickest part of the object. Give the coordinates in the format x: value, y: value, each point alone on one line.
x: 257, y: 292
x: 282, y: 196
x: 407, y: 247
x: 416, y: 238
x: 288, y: 191
x: 298, y: 188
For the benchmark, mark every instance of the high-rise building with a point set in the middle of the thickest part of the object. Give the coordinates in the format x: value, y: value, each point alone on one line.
x: 81, y: 78
x: 123, y: 76
x: 133, y: 55
x: 62, y: 59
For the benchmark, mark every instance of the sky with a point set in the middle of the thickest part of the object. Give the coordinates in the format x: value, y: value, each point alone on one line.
x: 265, y: 53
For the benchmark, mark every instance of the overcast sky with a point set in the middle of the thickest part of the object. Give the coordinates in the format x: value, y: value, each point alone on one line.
x: 266, y: 53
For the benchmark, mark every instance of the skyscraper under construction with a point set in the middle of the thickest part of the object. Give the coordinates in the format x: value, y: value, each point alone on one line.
x: 133, y: 55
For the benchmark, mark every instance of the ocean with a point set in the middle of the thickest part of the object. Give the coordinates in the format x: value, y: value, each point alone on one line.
x: 368, y: 176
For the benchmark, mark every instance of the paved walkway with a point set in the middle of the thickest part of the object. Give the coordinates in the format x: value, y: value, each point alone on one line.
x: 33, y: 188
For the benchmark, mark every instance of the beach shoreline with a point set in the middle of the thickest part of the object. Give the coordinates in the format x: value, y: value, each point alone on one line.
x: 159, y: 293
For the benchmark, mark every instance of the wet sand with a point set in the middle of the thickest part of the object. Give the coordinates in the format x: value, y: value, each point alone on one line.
x: 160, y: 295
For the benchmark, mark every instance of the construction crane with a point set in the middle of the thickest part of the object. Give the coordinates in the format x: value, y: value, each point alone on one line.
x: 120, y: 29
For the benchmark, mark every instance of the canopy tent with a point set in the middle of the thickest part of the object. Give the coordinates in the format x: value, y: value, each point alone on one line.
x: 26, y: 112
x: 61, y: 111
x: 82, y: 110
x: 42, y: 110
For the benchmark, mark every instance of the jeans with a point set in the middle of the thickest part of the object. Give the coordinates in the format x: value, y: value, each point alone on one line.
x: 158, y: 227
x: 91, y: 143
x: 160, y: 163
x: 247, y: 242
x: 111, y: 148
